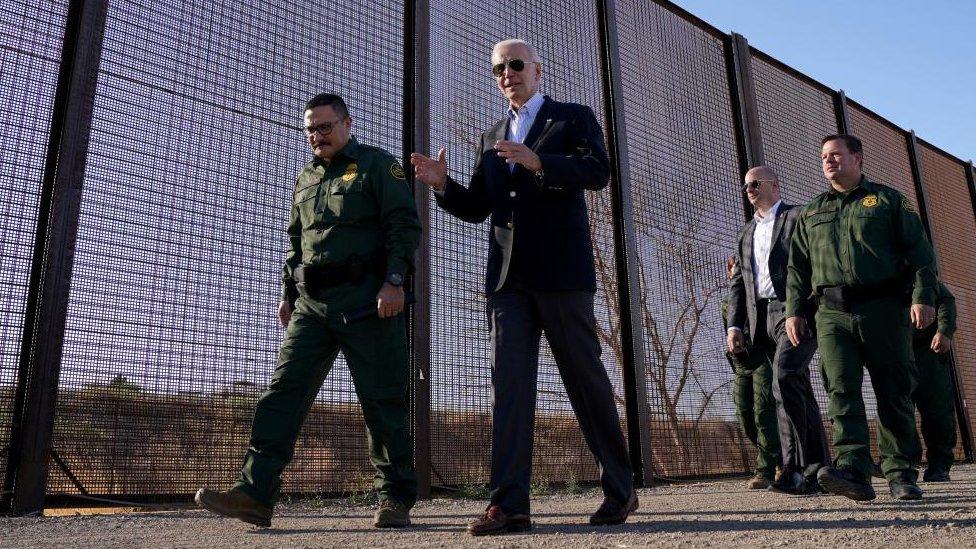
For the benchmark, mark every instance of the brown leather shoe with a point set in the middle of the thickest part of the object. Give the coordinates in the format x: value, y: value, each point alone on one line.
x: 496, y: 521
x: 758, y: 483
x: 234, y: 503
x: 612, y: 512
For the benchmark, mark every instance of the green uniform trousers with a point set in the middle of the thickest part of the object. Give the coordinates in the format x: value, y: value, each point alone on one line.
x: 935, y: 401
x: 752, y: 393
x: 876, y: 334
x: 376, y: 352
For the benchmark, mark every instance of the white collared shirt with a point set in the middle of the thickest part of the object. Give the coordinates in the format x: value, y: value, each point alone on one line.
x: 762, y: 243
x: 520, y: 121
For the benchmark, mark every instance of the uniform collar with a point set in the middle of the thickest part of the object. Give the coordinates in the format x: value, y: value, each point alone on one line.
x: 864, y: 183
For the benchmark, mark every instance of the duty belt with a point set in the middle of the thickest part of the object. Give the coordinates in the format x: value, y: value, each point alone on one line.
x: 842, y: 298
x: 352, y: 271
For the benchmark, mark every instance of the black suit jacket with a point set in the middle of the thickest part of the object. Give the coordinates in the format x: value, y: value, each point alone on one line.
x: 540, y: 231
x: 742, y: 287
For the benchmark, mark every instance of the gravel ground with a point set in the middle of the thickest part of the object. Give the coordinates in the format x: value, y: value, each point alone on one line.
x: 714, y: 514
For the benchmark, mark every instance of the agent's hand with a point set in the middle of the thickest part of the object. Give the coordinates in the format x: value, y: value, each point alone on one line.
x: 516, y: 153
x: 284, y: 313
x: 796, y: 329
x: 430, y: 172
x: 922, y: 315
x: 736, y: 341
x: 389, y: 302
x: 941, y: 343
x: 729, y: 267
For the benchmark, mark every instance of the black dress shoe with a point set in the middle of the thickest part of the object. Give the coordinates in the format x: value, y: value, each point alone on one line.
x: 790, y: 482
x: 845, y: 482
x: 936, y: 473
x: 904, y: 489
x: 613, y: 512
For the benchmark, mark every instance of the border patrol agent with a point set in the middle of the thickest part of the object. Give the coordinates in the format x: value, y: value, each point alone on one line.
x: 353, y: 233
x: 934, y: 394
x: 846, y: 254
x: 755, y: 405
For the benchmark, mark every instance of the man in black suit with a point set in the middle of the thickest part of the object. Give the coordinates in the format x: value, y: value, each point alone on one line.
x: 529, y: 177
x: 757, y: 297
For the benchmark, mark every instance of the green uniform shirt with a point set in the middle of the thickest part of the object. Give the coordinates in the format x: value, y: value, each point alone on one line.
x: 357, y: 204
x: 859, y: 238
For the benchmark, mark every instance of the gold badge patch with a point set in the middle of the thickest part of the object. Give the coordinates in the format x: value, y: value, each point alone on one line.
x: 870, y: 201
x: 350, y: 174
x: 397, y: 172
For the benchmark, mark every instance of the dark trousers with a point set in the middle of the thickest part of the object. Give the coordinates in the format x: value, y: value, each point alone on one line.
x: 517, y: 319
x: 934, y: 398
x: 876, y: 335
x: 376, y: 352
x: 801, y: 432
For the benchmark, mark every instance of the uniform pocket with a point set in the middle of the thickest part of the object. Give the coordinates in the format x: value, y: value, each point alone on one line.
x: 349, y: 201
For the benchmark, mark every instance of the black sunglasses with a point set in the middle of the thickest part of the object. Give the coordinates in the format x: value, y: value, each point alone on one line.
x: 516, y: 65
x: 755, y: 183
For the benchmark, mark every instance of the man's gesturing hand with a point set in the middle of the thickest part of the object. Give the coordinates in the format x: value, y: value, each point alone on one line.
x: 516, y: 153
x: 429, y: 171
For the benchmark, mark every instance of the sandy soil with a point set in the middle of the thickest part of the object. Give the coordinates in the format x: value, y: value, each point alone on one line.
x: 715, y: 514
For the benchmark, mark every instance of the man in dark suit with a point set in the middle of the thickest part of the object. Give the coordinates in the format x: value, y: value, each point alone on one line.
x: 529, y: 177
x: 757, y: 296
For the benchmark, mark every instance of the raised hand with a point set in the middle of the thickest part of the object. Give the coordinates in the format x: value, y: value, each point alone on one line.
x: 429, y: 171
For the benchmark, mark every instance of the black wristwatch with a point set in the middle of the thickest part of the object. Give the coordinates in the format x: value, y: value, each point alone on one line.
x: 394, y: 279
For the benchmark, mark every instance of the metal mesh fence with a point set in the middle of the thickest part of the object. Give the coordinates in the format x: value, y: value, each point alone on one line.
x: 171, y: 330
x: 954, y: 237
x: 687, y: 212
x: 465, y: 102
x: 30, y: 53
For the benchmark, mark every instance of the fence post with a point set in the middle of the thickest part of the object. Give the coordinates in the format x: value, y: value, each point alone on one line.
x: 625, y: 247
x: 25, y: 481
x: 416, y: 137
x: 840, y: 109
x: 962, y: 414
x: 745, y: 112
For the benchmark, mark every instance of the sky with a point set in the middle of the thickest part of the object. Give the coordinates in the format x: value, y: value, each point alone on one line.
x: 912, y: 62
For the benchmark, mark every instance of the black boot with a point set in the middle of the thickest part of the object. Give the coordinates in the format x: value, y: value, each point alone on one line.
x: 845, y: 482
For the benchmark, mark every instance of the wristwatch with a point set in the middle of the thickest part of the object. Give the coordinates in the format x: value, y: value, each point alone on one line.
x: 394, y: 279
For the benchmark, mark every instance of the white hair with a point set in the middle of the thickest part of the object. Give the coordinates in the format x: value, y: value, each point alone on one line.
x: 534, y: 57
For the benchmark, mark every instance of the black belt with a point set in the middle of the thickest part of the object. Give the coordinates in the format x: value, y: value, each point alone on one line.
x: 352, y: 271
x: 842, y: 298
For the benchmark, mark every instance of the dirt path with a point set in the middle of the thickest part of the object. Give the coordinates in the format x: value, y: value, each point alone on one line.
x: 711, y: 514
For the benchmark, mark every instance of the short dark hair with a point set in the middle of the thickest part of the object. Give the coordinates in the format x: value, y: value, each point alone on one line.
x: 329, y: 100
x: 853, y: 144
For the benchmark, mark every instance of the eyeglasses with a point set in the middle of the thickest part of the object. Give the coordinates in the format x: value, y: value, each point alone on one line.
x: 755, y: 184
x: 322, y: 129
x: 516, y: 65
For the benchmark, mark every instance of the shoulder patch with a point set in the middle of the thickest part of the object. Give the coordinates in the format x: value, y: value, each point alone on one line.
x: 907, y: 204
x: 397, y: 172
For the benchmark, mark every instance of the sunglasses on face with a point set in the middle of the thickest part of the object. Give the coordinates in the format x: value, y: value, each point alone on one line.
x: 322, y: 129
x: 755, y: 184
x: 516, y: 65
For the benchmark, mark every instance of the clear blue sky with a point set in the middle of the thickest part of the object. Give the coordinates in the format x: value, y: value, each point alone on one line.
x: 911, y: 61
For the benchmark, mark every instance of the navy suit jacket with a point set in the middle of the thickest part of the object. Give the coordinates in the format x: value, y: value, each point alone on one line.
x: 540, y: 232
